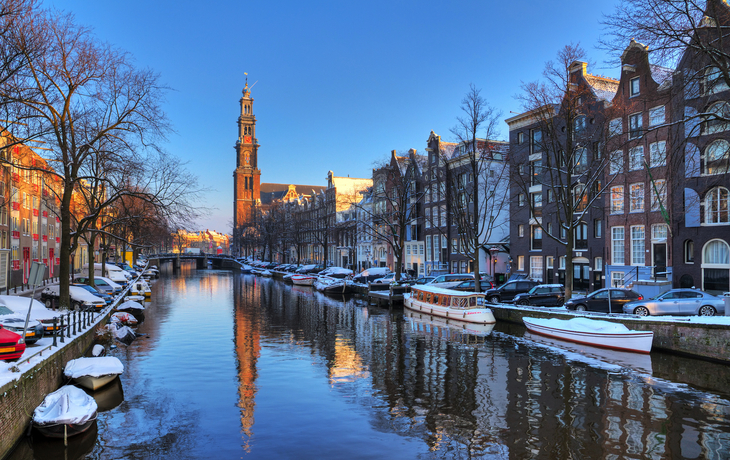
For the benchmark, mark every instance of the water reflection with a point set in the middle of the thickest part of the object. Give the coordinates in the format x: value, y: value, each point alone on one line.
x: 505, y: 397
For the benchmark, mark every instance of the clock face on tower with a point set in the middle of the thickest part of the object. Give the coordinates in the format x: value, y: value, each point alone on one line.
x: 247, y: 139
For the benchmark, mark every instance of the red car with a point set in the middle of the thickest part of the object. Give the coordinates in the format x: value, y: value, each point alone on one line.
x: 10, y: 349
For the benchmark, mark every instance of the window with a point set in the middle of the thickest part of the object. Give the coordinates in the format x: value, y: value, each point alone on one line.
x: 579, y: 124
x: 634, y: 86
x: 443, y: 215
x: 536, y: 271
x: 536, y: 172
x: 521, y: 230
x: 536, y: 204
x: 636, y: 158
x: 714, y: 81
x: 617, y: 162
x: 581, y: 236
x: 580, y: 198
x: 563, y: 232
x: 656, y: 116
x: 581, y: 161
x: 597, y: 228
x: 637, y: 245
x: 536, y: 243
x: 520, y: 263
x: 598, y: 264
x: 617, y: 245
x: 617, y: 278
x: 659, y: 232
x: 658, y: 195
x: 520, y: 138
x: 550, y: 228
x: 454, y: 246
x: 550, y: 196
x: 549, y: 262
x: 561, y: 262
x: 716, y: 157
x: 718, y: 119
x: 636, y: 200
x: 428, y: 217
x: 657, y: 154
x: 716, y: 206
x: 617, y: 199
x: 615, y: 127
x: 521, y: 199
x: 535, y: 141
x: 635, y: 126
x: 689, y: 252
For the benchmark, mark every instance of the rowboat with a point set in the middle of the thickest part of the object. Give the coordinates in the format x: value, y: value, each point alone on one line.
x: 598, y: 333
x: 65, y: 412
x: 303, y: 280
x: 93, y: 373
x: 462, y: 306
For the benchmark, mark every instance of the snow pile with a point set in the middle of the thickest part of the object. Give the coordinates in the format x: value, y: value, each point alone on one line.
x: 93, y: 367
x: 67, y: 405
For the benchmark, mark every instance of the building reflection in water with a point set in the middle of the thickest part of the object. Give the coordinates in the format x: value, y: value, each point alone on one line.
x: 494, y: 394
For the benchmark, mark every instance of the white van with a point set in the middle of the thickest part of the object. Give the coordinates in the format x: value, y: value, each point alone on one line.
x: 113, y: 272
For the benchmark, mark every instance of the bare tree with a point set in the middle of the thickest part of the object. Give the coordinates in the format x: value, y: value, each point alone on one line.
x: 82, y: 98
x: 569, y: 131
x: 476, y: 176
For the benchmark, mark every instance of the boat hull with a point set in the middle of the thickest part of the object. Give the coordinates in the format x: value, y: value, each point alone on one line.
x: 303, y: 281
x: 470, y: 315
x: 63, y: 430
x: 635, y: 341
x: 93, y: 383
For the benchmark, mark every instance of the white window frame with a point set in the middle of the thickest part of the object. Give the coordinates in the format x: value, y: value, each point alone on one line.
x: 637, y: 197
x: 636, y: 158
x: 638, y: 245
x: 618, y: 245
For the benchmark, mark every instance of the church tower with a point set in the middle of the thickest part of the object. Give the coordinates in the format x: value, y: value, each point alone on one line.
x: 247, y: 176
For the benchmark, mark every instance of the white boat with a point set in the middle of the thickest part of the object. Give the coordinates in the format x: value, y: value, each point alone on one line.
x: 461, y: 306
x: 598, y: 333
x: 266, y: 273
x: 141, y: 288
x: 65, y: 412
x: 303, y: 280
x: 93, y: 373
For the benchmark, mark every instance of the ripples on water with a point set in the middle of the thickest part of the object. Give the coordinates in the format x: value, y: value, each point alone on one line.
x: 235, y: 366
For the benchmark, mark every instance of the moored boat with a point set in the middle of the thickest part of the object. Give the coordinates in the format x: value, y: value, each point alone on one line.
x: 462, y: 306
x: 303, y: 280
x: 599, y: 333
x: 95, y: 372
x: 65, y: 412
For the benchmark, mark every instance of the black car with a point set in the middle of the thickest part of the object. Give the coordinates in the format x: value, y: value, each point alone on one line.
x: 542, y: 295
x: 598, y: 300
x: 508, y: 291
x: 96, y: 291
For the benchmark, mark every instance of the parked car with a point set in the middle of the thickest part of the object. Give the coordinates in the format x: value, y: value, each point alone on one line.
x: 598, y: 300
x: 542, y: 295
x: 80, y: 298
x: 15, y: 322
x: 507, y: 292
x: 371, y: 274
x: 11, y: 349
x: 38, y: 312
x: 468, y: 286
x: 96, y: 291
x: 448, y: 281
x: 420, y: 281
x: 678, y: 302
x: 390, y: 278
x: 103, y: 283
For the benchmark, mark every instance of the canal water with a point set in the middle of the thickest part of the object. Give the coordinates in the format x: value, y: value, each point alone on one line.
x: 236, y: 366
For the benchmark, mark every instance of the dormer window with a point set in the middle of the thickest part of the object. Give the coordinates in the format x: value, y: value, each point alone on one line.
x: 634, y: 87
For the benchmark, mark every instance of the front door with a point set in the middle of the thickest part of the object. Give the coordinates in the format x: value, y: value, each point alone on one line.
x: 51, y: 261
x: 660, y: 260
x: 580, y: 277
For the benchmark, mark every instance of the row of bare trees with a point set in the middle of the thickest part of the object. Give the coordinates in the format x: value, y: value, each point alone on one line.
x: 99, y: 121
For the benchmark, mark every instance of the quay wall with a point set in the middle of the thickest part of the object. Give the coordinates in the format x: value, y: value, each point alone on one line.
x: 698, y: 340
x: 19, y: 398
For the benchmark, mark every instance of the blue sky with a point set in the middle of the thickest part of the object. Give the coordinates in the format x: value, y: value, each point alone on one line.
x: 339, y: 84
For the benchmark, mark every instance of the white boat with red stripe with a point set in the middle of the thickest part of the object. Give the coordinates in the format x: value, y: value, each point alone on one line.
x: 303, y: 280
x: 598, y: 333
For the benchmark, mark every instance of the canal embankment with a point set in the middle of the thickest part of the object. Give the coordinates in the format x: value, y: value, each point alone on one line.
x: 40, y: 373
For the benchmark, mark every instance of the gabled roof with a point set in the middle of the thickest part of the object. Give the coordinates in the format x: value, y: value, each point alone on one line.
x: 603, y: 88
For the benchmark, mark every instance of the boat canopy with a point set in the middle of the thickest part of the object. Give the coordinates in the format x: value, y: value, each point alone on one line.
x: 93, y: 367
x: 67, y: 405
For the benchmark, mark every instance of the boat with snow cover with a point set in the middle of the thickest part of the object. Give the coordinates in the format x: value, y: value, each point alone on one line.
x: 599, y: 333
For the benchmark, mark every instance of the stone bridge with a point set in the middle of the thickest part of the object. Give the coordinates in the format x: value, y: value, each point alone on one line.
x: 202, y: 261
